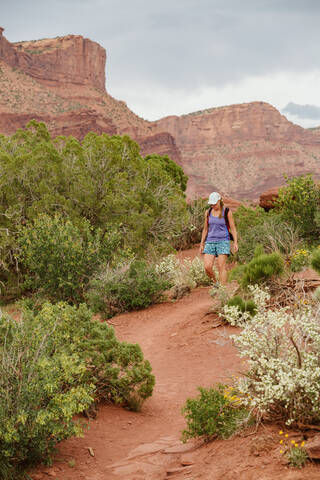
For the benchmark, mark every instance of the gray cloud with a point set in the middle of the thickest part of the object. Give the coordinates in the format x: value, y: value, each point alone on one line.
x: 311, y: 112
x: 181, y: 45
x: 185, y: 42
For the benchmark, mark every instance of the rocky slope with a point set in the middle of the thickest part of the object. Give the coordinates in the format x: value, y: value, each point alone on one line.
x: 240, y: 150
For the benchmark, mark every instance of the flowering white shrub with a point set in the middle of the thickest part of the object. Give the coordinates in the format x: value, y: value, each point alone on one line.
x: 168, y: 265
x: 197, y: 272
x: 236, y: 317
x: 186, y: 272
x: 282, y: 351
x: 316, y: 294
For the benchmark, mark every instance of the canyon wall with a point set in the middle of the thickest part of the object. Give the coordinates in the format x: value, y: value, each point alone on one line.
x: 65, y: 60
x: 239, y: 150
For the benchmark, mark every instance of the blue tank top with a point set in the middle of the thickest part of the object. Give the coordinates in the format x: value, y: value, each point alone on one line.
x: 217, y: 229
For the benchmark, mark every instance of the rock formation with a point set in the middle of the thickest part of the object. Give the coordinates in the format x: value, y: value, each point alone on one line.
x: 268, y: 198
x: 65, y: 60
x: 239, y: 150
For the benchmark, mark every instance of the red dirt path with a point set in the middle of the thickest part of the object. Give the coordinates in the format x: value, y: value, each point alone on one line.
x: 185, y: 352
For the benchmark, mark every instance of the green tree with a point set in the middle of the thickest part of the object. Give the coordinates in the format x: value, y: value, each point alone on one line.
x: 102, y: 179
x: 174, y: 170
x: 59, y: 258
x: 299, y: 204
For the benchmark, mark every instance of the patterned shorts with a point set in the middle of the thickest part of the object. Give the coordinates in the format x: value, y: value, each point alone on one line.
x: 217, y: 248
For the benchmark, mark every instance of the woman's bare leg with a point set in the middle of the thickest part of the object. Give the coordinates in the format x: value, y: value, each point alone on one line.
x: 222, y: 268
x: 208, y: 265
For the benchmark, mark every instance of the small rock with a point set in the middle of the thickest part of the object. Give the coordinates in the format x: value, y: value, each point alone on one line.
x: 37, y: 476
x: 90, y: 449
x: 312, y: 447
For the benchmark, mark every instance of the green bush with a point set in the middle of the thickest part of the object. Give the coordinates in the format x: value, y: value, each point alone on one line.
x: 299, y: 260
x: 59, y: 257
x: 117, y: 369
x: 243, y: 305
x: 103, y: 180
x: 262, y: 268
x: 270, y: 231
x: 129, y: 287
x: 297, y: 457
x: 249, y: 218
x: 213, y: 414
x: 192, y: 228
x: 41, y: 389
x: 171, y: 168
x: 55, y: 362
x: 299, y: 204
x: 315, y: 260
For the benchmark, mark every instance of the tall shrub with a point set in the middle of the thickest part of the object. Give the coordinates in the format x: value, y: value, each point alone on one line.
x: 299, y: 204
x: 41, y: 389
x: 59, y: 258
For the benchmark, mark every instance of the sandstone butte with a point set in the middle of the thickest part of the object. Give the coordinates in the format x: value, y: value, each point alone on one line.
x: 240, y: 150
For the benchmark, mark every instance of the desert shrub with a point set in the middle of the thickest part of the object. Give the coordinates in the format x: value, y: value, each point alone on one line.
x: 299, y: 204
x: 295, y: 453
x: 237, y: 311
x: 171, y: 168
x: 316, y: 294
x: 59, y: 257
x: 54, y: 364
x: 299, y: 260
x: 260, y: 269
x: 195, y: 270
x: 116, y: 369
x: 315, y: 260
x: 102, y: 180
x: 271, y: 232
x: 297, y: 457
x: 192, y: 228
x: 282, y: 350
x: 129, y: 287
x: 186, y: 272
x: 41, y: 389
x: 212, y: 414
x: 243, y: 305
x: 248, y: 218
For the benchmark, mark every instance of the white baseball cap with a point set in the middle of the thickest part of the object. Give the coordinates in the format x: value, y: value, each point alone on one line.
x: 214, y: 197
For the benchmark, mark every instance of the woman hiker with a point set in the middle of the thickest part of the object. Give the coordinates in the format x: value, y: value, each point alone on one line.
x: 215, y: 240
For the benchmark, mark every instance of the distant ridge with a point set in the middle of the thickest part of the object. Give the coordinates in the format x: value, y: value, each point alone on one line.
x: 240, y: 150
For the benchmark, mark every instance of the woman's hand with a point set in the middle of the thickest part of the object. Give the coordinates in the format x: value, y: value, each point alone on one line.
x: 201, y: 248
x: 235, y: 247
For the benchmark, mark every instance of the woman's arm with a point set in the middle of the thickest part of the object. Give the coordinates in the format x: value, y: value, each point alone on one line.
x: 233, y: 230
x: 204, y: 231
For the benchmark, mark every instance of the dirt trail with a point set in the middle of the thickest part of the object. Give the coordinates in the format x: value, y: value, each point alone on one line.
x: 185, y: 352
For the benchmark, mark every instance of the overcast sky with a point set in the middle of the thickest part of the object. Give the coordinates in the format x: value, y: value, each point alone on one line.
x: 169, y: 57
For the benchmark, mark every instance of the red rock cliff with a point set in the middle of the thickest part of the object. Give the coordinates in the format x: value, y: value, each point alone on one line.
x: 63, y: 60
x: 240, y: 150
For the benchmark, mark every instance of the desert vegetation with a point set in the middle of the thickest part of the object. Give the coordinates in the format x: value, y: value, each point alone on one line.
x: 92, y: 227
x: 279, y: 316
x: 83, y: 229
